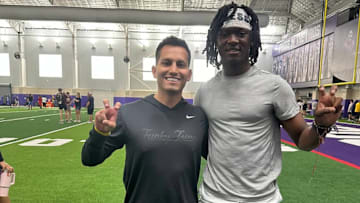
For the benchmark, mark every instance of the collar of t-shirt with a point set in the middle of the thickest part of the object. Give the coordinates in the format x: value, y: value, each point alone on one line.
x: 251, y: 70
x: 163, y: 107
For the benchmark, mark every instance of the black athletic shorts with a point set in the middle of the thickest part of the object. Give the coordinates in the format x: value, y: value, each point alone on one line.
x: 62, y: 106
x: 90, y: 111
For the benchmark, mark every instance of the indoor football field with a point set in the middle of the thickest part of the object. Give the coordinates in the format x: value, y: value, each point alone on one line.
x: 46, y: 156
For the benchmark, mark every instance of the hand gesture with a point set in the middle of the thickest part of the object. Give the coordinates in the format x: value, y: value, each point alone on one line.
x: 105, y: 119
x: 329, y: 107
x: 6, y: 166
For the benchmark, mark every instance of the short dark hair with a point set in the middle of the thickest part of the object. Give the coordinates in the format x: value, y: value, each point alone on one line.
x: 216, y: 24
x: 172, y: 41
x: 59, y: 89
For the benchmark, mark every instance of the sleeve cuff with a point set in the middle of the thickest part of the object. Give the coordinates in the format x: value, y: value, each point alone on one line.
x: 95, y: 138
x: 101, y: 133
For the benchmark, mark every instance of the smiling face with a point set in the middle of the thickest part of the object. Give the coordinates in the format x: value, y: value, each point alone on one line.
x: 172, y: 69
x: 233, y: 45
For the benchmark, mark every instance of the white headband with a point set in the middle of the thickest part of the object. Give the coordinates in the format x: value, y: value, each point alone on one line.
x: 240, y: 19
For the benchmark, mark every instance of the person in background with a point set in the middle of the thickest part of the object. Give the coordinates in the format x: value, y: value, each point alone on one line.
x: 68, y: 107
x: 90, y: 107
x: 40, y: 101
x: 164, y: 135
x: 12, y: 101
x: 304, y: 108
x: 49, y: 104
x: 5, y: 166
x: 349, y: 110
x: 54, y: 101
x: 357, y: 111
x: 30, y: 101
x: 16, y: 101
x: 8, y: 100
x: 245, y: 106
x: 60, y: 97
x: 77, y: 102
x: 300, y: 105
x: 44, y: 100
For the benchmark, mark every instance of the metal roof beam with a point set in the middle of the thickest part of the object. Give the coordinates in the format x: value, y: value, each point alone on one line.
x: 117, y: 3
x: 332, y: 11
x: 341, y: 5
x: 87, y: 1
x: 71, y: 27
x: 18, y: 26
x: 253, y: 3
x: 129, y: 16
x: 317, y: 2
x: 289, y: 11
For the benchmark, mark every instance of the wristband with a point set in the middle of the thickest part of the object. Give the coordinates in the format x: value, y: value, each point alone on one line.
x: 101, y: 133
x: 321, y: 130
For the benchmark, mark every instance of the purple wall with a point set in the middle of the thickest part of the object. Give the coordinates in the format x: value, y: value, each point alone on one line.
x: 22, y: 99
x: 124, y: 100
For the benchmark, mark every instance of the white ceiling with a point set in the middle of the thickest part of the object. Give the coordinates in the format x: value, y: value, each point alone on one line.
x: 286, y: 16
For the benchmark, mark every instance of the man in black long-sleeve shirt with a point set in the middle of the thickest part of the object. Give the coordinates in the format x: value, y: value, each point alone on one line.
x: 164, y: 135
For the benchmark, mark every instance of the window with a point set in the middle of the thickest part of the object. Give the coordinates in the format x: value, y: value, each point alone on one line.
x: 4, y: 64
x: 102, y: 67
x: 148, y: 63
x: 50, y: 65
x: 201, y: 73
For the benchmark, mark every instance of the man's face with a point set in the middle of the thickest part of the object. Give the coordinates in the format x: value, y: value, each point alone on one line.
x: 233, y: 44
x: 172, y: 69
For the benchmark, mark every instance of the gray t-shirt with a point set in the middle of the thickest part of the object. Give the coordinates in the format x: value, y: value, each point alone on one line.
x: 244, y: 115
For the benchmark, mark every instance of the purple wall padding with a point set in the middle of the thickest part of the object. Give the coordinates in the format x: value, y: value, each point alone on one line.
x: 122, y: 100
x: 125, y: 100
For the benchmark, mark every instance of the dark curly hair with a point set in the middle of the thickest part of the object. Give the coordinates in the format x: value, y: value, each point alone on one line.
x: 216, y: 24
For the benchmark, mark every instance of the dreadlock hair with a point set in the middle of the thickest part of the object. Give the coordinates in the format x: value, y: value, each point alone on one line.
x: 216, y: 24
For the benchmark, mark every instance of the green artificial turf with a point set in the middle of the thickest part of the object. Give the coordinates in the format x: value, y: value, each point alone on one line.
x: 55, y: 174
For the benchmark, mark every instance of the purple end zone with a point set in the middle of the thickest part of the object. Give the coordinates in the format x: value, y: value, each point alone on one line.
x: 332, y: 147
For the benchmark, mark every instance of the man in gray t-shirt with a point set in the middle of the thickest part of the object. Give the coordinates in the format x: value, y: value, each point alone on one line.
x: 245, y: 107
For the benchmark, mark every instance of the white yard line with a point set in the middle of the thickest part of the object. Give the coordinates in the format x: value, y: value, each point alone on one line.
x: 54, y: 131
x: 29, y: 111
x: 24, y: 118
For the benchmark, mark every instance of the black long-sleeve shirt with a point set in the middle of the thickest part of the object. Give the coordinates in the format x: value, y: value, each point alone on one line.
x: 163, y: 150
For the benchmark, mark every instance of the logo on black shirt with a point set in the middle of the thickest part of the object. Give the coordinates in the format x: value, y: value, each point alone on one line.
x: 162, y: 136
